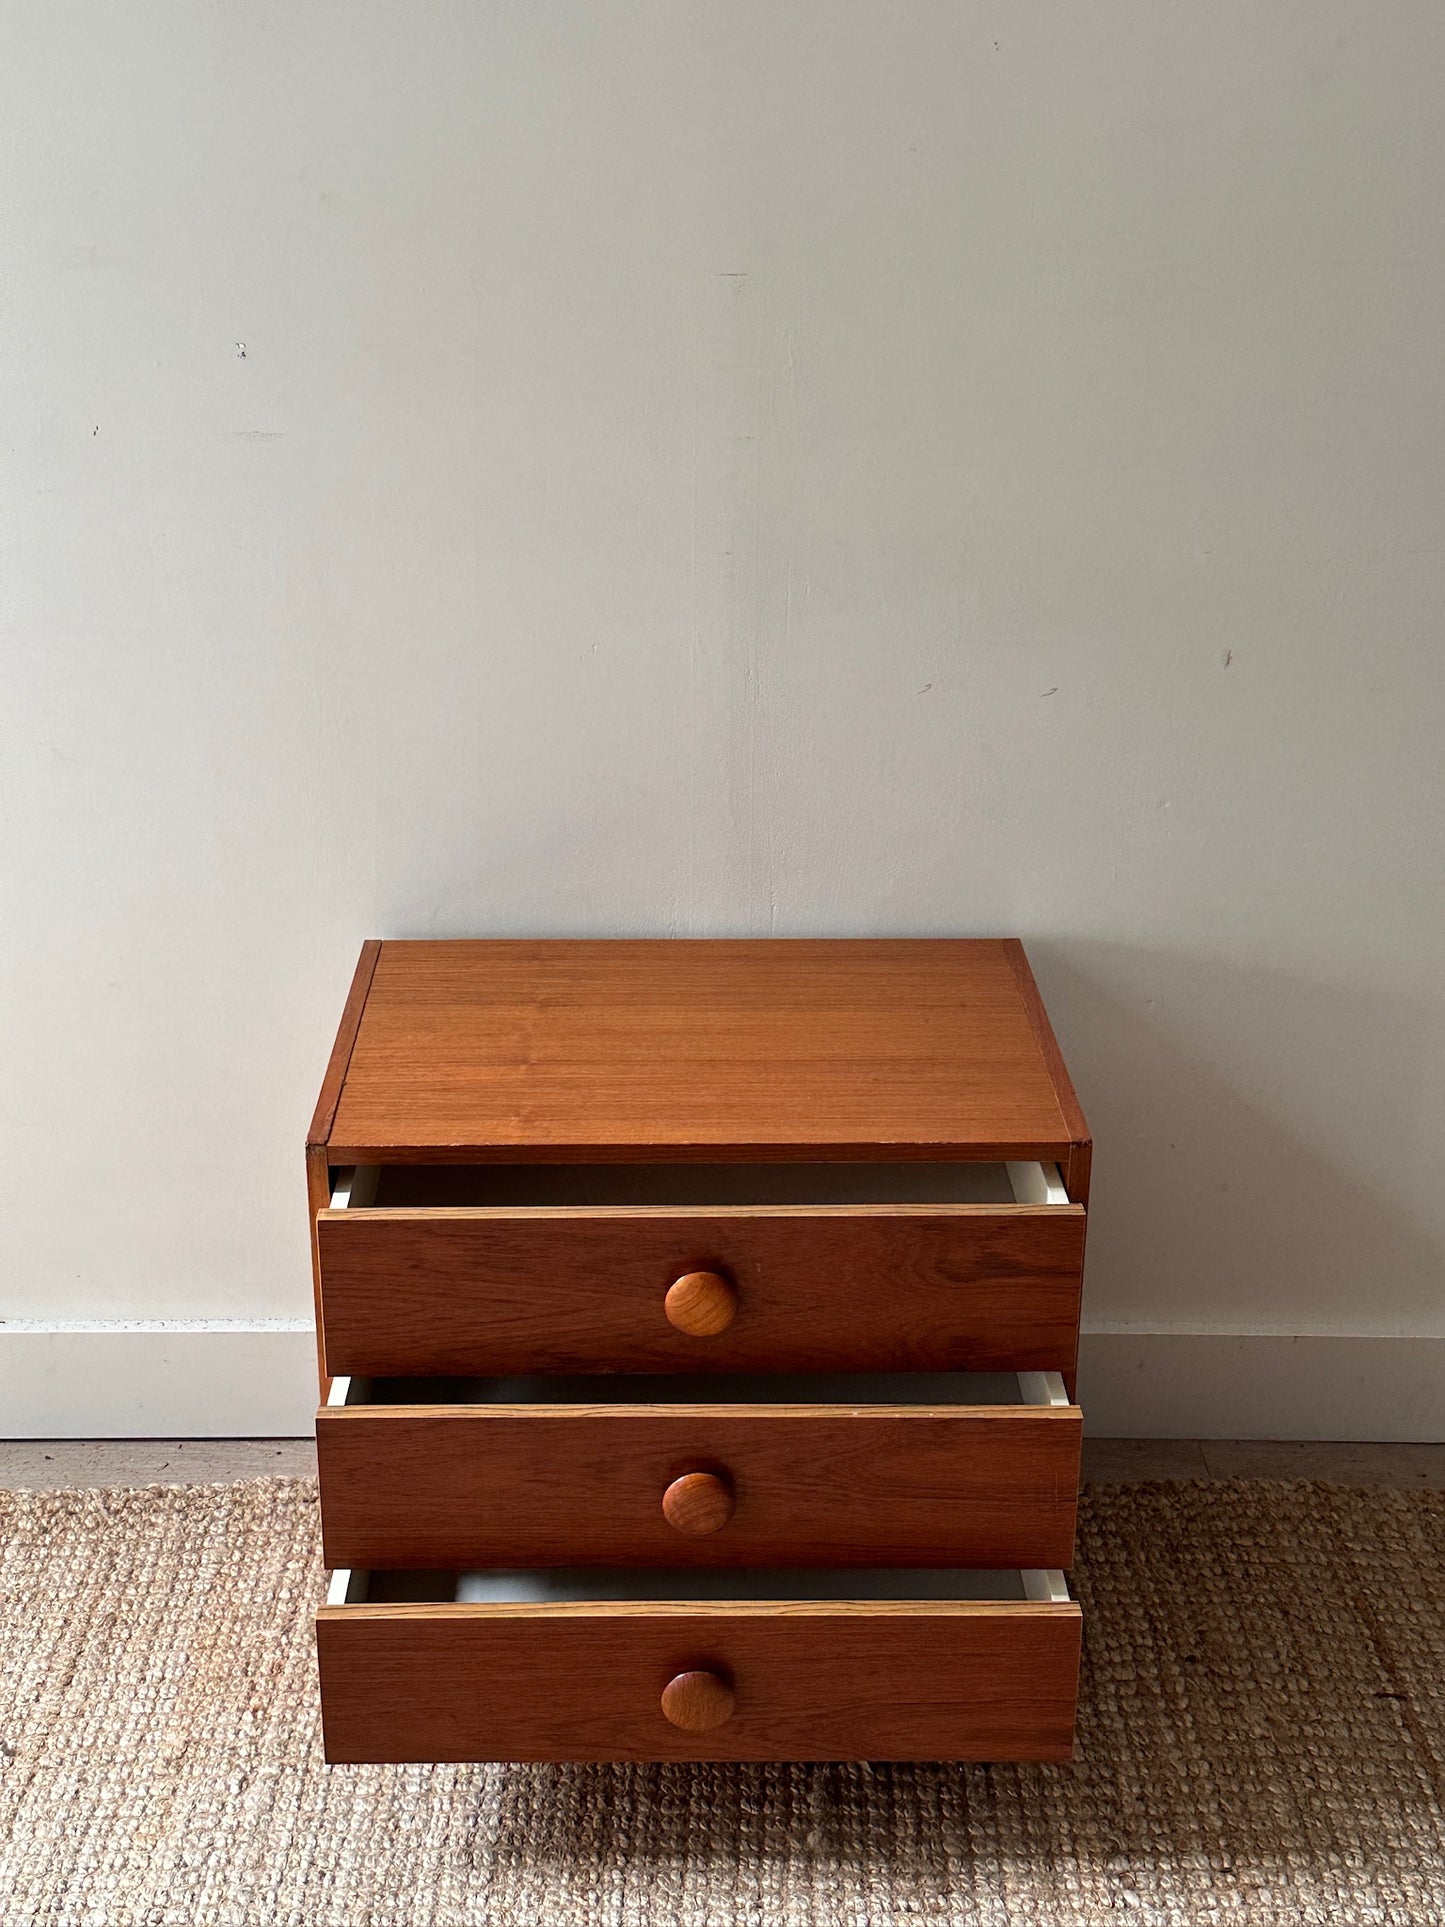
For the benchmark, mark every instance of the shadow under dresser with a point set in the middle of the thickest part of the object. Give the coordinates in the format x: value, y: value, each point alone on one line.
x: 697, y: 1327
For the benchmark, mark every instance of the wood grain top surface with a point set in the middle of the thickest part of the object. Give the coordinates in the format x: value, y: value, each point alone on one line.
x: 548, y: 1050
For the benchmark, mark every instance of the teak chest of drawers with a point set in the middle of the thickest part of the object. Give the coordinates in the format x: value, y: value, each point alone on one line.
x: 697, y: 1329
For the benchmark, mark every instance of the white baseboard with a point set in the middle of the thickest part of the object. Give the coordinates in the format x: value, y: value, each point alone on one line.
x: 1206, y: 1385
x: 223, y: 1379
x: 188, y: 1380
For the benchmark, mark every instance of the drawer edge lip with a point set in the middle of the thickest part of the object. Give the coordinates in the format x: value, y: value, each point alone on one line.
x: 751, y: 1151
x: 395, y: 1611
x: 411, y: 1214
x: 1061, y: 1754
x: 1066, y: 1415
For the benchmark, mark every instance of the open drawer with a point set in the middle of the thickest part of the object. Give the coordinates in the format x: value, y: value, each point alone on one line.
x: 904, y: 1266
x: 798, y: 1665
x: 914, y: 1469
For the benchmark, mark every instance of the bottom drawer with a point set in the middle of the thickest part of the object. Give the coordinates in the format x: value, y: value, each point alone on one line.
x: 766, y: 1665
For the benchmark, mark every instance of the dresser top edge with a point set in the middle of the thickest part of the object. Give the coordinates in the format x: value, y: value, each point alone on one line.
x: 690, y: 1050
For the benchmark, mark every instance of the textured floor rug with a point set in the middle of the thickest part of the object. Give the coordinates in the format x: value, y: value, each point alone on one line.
x: 1261, y: 1740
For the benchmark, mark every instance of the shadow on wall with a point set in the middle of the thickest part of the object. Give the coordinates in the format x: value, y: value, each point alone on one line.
x: 661, y: 859
x: 1263, y: 1145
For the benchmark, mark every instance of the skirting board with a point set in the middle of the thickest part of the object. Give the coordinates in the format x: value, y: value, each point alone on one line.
x: 1207, y: 1385
x: 224, y: 1380
x: 144, y: 1381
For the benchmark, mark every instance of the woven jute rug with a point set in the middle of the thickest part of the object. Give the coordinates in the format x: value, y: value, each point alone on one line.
x: 1261, y: 1740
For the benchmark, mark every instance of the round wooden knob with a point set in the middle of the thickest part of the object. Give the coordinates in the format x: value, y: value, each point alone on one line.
x: 701, y: 1303
x: 697, y: 1702
x: 698, y: 1503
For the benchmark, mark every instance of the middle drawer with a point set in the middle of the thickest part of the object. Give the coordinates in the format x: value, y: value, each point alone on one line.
x: 919, y: 1469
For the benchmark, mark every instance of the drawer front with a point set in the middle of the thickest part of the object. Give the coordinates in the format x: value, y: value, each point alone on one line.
x: 706, y: 1485
x: 778, y: 1682
x: 967, y: 1288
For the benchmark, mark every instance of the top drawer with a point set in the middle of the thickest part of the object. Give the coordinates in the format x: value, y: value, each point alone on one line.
x: 767, y: 1267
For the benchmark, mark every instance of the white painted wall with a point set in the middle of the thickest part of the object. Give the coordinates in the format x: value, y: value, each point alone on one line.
x: 729, y: 468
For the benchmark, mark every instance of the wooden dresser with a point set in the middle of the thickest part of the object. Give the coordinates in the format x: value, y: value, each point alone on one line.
x: 697, y: 1325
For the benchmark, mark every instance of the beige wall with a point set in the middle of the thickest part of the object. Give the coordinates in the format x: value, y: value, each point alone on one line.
x: 737, y: 468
